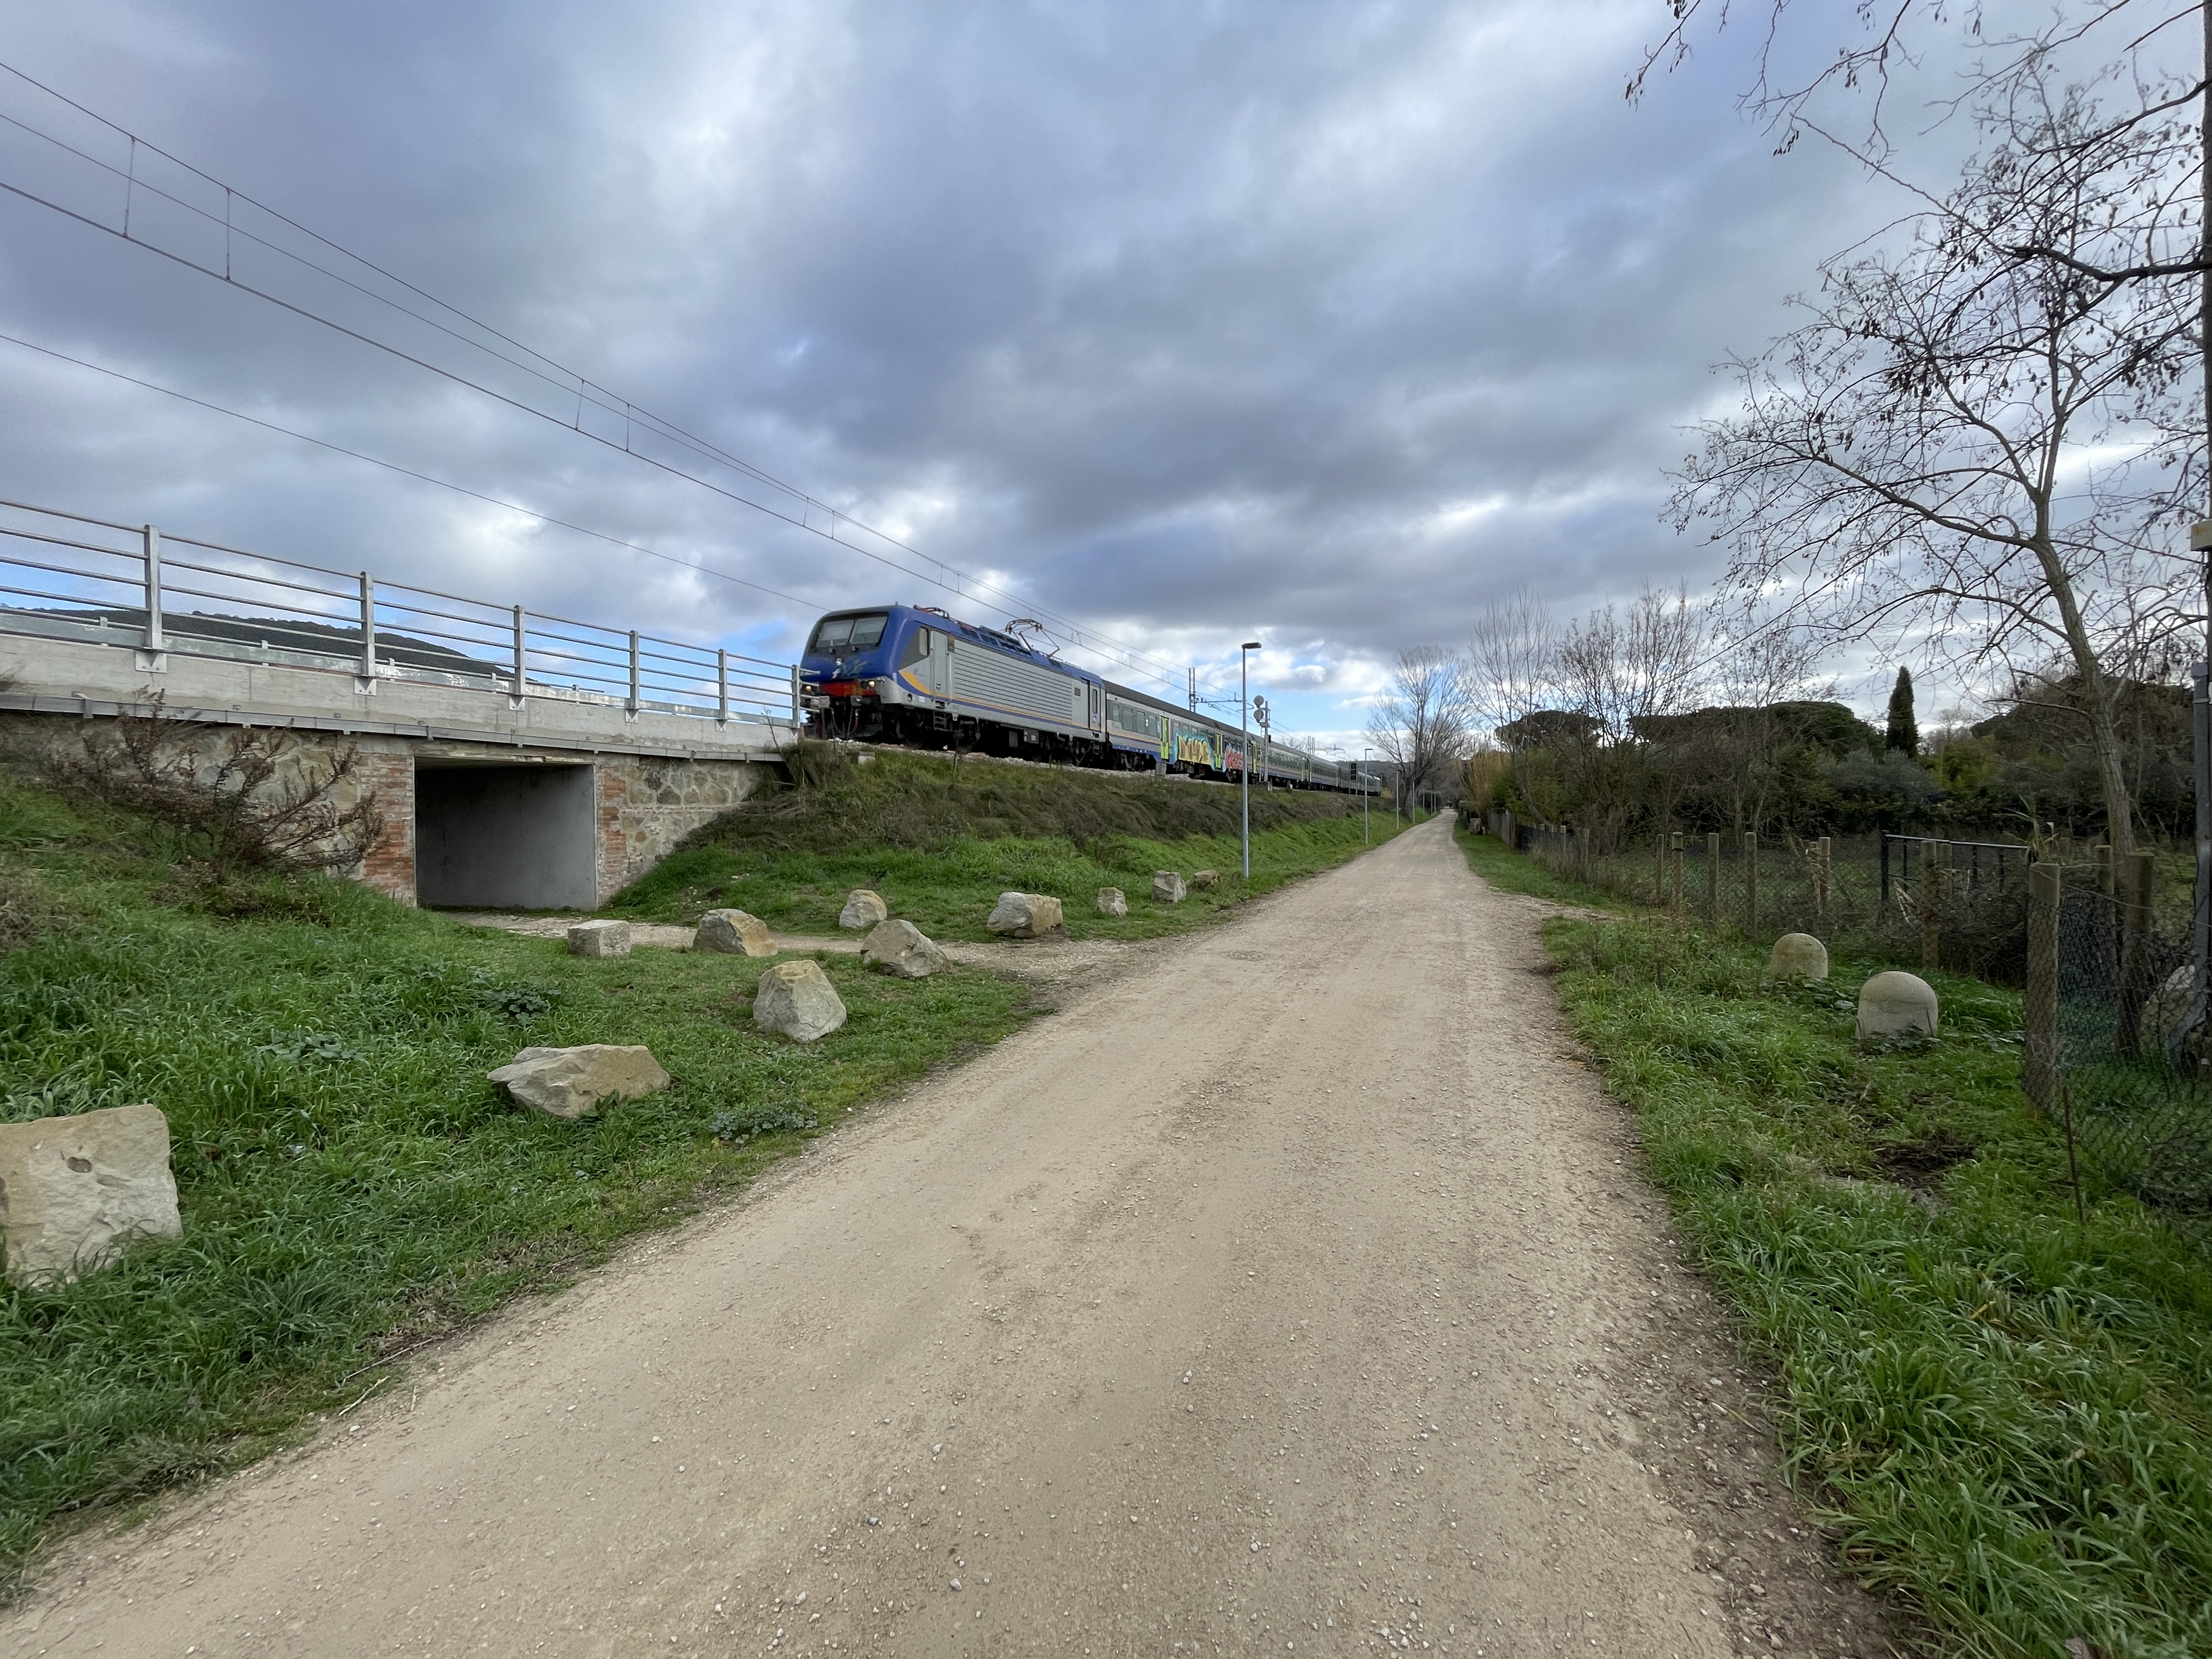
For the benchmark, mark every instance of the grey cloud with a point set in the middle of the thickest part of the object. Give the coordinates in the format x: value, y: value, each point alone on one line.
x: 1336, y: 320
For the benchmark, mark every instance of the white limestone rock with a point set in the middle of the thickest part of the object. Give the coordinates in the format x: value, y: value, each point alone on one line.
x: 1113, y: 902
x: 599, y: 939
x: 1202, y: 879
x: 1896, y: 1004
x: 1169, y: 887
x: 571, y: 1083
x: 1798, y: 956
x: 75, y: 1191
x: 863, y: 909
x: 1025, y: 915
x: 732, y: 933
x: 903, y: 949
x: 796, y: 1000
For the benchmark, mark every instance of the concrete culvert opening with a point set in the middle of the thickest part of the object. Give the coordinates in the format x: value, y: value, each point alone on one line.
x: 515, y: 837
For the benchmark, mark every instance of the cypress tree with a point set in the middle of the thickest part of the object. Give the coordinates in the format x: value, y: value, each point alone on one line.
x: 1904, y: 730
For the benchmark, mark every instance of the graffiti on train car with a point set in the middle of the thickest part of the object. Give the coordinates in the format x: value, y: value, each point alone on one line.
x: 1194, y: 747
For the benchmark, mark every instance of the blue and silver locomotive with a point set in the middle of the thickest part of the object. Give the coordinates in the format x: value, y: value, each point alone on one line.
x: 915, y: 675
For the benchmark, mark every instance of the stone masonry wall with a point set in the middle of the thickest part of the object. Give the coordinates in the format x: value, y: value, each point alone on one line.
x: 647, y: 806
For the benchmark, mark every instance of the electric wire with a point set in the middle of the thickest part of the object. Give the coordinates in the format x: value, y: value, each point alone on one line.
x: 567, y: 381
x: 408, y: 471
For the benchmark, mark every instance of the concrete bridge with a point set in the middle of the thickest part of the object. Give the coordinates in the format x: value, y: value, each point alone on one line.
x: 519, y: 759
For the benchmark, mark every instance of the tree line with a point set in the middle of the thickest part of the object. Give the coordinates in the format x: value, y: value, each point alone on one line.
x: 1980, y: 450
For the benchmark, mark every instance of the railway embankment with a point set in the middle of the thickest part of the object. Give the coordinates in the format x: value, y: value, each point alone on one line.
x: 942, y: 837
x: 2001, y: 1403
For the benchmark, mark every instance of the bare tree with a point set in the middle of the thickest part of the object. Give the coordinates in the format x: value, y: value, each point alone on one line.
x: 1512, y: 672
x: 1618, y: 669
x: 1921, y: 460
x: 1423, y: 726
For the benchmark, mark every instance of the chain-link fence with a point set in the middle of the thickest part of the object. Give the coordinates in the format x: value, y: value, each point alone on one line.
x: 2117, y: 1044
x: 1956, y: 905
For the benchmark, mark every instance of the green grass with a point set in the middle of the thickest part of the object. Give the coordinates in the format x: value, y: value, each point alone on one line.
x: 1513, y: 872
x: 349, y: 1183
x: 940, y: 839
x: 2009, y: 1415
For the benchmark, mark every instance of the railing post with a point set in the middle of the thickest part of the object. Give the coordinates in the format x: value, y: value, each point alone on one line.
x: 367, y: 626
x: 796, y: 711
x: 633, y: 670
x: 1751, y: 882
x: 153, y: 589
x: 521, y: 654
x: 2040, y: 1072
x: 721, y: 688
x: 1713, y: 879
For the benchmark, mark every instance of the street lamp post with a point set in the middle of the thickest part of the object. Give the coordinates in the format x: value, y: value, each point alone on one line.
x: 1244, y: 737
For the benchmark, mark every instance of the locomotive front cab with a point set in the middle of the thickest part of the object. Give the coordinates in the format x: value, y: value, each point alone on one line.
x: 845, y: 656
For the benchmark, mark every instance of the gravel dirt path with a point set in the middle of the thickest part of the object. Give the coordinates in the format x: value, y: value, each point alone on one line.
x: 1290, y: 1291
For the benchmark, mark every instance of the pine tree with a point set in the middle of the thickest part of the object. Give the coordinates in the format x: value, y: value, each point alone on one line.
x: 1904, y: 730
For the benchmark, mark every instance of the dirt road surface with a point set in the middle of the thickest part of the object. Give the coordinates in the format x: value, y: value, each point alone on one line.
x: 1292, y: 1292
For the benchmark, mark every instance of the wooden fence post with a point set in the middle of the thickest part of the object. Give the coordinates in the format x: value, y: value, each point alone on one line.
x: 1677, y: 849
x: 2040, y: 1075
x: 1751, y: 882
x: 1934, y: 865
x: 1713, y: 879
x: 1820, y: 870
x: 2134, y: 989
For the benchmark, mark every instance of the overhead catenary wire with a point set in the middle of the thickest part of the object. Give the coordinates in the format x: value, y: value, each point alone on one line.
x: 795, y: 506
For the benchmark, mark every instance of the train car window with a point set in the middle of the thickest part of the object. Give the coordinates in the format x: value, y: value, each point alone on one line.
x: 917, y: 647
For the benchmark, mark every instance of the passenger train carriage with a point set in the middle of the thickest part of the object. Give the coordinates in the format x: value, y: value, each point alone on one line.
x: 915, y: 675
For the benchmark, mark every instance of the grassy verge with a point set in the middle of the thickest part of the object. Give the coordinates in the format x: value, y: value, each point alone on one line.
x: 350, y: 1185
x: 1512, y: 872
x: 942, y: 839
x: 2009, y: 1414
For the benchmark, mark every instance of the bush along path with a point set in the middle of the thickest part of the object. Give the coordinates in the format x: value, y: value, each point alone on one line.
x: 350, y: 1184
x: 2006, y: 1415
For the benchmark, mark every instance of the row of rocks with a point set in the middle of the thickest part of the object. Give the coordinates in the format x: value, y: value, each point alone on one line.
x: 1892, y: 1004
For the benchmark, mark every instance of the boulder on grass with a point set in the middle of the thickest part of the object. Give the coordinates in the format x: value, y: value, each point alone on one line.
x: 74, y: 1191
x: 732, y: 933
x: 797, y: 1000
x: 1169, y: 887
x: 1896, y: 1004
x: 903, y: 949
x: 1798, y: 956
x: 570, y: 1083
x: 599, y: 939
x: 1202, y: 879
x: 1113, y: 902
x: 863, y: 909
x: 1024, y: 915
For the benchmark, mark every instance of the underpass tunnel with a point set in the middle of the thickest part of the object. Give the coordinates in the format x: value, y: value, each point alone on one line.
x: 517, y: 836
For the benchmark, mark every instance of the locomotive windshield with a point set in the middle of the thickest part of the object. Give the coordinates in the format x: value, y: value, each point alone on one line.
x: 838, y: 635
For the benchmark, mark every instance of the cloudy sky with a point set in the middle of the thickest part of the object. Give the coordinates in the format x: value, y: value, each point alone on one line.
x: 1322, y: 324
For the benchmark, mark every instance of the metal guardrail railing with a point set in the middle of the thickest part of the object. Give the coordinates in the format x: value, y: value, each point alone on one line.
x: 117, y: 584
